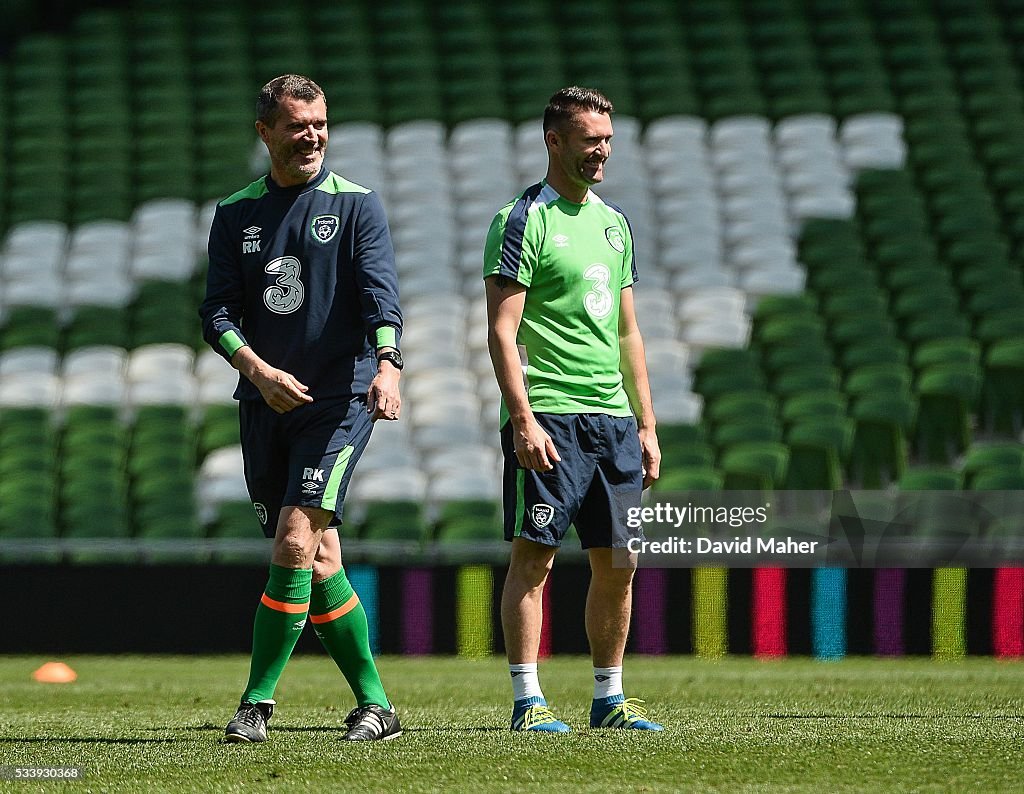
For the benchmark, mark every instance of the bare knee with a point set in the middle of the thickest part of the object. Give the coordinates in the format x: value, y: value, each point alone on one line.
x: 327, y: 561
x: 611, y: 571
x: 529, y: 567
x: 324, y: 569
x: 291, y: 550
x: 298, y: 535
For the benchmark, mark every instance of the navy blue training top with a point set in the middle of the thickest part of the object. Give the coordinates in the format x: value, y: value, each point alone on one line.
x: 305, y: 275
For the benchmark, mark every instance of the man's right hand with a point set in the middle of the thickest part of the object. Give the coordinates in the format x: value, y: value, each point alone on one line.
x: 534, y: 448
x: 280, y: 389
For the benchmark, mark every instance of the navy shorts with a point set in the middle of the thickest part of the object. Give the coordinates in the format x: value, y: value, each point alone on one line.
x: 303, y: 458
x: 593, y: 487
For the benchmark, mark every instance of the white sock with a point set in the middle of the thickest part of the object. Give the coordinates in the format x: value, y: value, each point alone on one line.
x: 525, y: 682
x: 607, y: 681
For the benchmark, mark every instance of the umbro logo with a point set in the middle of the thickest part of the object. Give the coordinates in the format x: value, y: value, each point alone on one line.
x: 601, y: 678
x: 251, y: 243
x: 561, y: 241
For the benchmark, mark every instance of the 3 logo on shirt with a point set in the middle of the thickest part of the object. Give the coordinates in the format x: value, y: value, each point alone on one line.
x: 285, y: 295
x: 324, y: 227
x: 599, y: 301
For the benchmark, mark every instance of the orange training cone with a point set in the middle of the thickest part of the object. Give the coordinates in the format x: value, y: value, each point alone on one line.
x: 55, y: 673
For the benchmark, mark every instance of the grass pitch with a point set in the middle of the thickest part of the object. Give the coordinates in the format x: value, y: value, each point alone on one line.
x: 155, y: 723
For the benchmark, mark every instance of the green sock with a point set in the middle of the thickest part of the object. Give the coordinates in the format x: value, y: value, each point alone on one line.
x: 340, y: 622
x: 279, y: 621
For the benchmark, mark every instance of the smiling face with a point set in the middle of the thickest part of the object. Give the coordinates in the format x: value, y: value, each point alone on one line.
x: 297, y: 140
x: 577, y: 153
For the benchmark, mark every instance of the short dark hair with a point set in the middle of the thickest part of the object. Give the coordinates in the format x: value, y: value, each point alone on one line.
x: 287, y: 85
x: 564, y: 105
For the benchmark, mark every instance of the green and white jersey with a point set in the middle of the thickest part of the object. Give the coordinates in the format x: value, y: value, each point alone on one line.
x: 574, y: 260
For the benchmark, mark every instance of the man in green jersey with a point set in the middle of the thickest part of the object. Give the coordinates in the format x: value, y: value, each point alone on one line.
x: 577, y: 420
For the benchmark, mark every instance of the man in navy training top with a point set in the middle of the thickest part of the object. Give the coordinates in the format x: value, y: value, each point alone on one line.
x: 302, y: 299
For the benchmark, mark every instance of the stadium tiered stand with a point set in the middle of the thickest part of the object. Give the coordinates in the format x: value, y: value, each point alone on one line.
x: 827, y: 198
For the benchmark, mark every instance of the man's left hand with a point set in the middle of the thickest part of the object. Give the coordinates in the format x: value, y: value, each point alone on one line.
x: 651, y: 456
x: 383, y: 400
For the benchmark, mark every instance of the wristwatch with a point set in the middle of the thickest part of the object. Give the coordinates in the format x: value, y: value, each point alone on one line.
x: 395, y: 357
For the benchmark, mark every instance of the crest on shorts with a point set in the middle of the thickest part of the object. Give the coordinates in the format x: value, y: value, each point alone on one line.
x: 324, y: 227
x: 613, y: 234
x: 542, y: 515
x: 261, y: 512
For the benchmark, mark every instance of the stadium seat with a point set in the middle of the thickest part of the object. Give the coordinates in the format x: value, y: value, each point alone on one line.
x: 1002, y: 399
x: 818, y: 448
x: 754, y: 465
x: 993, y: 455
x: 948, y: 395
x: 878, y: 455
x: 689, y: 478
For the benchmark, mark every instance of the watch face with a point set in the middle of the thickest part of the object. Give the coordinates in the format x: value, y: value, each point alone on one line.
x: 394, y: 357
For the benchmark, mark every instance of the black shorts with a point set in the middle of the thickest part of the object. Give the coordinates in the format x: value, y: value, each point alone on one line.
x: 303, y: 458
x: 599, y: 478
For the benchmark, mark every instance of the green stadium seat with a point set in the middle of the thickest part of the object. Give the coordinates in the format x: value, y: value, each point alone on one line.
x: 30, y: 325
x: 685, y: 455
x: 469, y: 530
x: 878, y: 455
x: 689, y: 478
x: 31, y: 522
x: 882, y: 351
x: 1001, y: 407
x: 999, y: 479
x: 825, y: 404
x: 965, y: 352
x: 930, y: 478
x: 743, y: 406
x: 457, y: 520
x: 469, y: 518
x: 848, y: 331
x: 235, y: 520
x: 681, y: 435
x: 993, y: 455
x: 924, y: 301
x: 96, y: 325
x: 746, y: 430
x: 948, y: 395
x: 795, y: 354
x: 878, y: 378
x: 866, y: 299
x: 804, y: 378
x: 786, y: 330
x: 219, y: 427
x: 1000, y: 325
x: 754, y: 465
x: 712, y: 383
x: 818, y: 447
x: 399, y: 520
